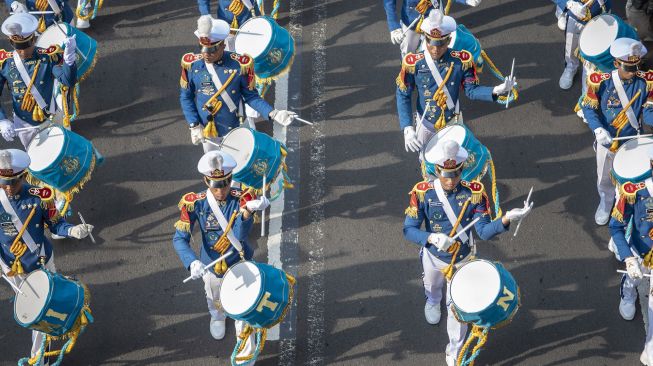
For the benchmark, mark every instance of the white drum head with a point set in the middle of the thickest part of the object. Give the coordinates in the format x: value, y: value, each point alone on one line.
x: 456, y: 133
x: 240, y: 288
x: 36, y: 288
x: 631, y: 160
x: 45, y: 148
x: 475, y: 286
x: 52, y: 36
x: 598, y: 34
x: 242, y: 139
x: 253, y: 44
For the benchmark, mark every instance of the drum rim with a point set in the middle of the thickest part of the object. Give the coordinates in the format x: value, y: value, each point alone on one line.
x: 493, y: 264
x: 262, y: 62
x: 623, y: 147
x: 47, y: 300
x: 270, y: 22
x: 58, y: 156
x: 260, y: 291
x: 596, y: 20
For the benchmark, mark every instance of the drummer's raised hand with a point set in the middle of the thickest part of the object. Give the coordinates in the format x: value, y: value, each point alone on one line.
x: 507, y: 85
x: 80, y: 231
x: 258, y: 204
x: 283, y: 117
x: 7, y: 130
x: 196, y: 134
x: 18, y: 7
x: 70, y: 46
x: 517, y: 213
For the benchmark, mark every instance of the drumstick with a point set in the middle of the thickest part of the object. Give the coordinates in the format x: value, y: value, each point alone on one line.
x: 465, y: 228
x: 512, y: 72
x: 621, y: 138
x: 626, y: 272
x: 303, y: 121
x: 66, y: 35
x: 221, y: 145
x: 410, y: 26
x: 26, y: 128
x: 90, y: 234
x: 36, y: 12
x: 528, y: 199
x: 245, y: 32
x: 263, y: 212
x: 12, y: 285
x: 223, y: 257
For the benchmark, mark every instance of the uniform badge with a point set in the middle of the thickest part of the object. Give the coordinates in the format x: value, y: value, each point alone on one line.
x: 8, y: 227
x: 437, y: 228
x: 427, y: 93
x: 212, y: 222
x: 438, y: 216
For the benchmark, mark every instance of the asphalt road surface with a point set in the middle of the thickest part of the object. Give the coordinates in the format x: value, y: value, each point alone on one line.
x: 359, y: 299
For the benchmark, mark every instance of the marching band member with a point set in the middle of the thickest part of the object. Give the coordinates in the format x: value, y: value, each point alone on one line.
x: 579, y: 12
x: 60, y: 11
x: 214, y: 82
x: 234, y: 12
x: 635, y: 201
x: 603, y: 107
x: 25, y: 211
x: 219, y: 207
x: 410, y: 11
x: 30, y: 73
x: 441, y: 205
x: 425, y: 71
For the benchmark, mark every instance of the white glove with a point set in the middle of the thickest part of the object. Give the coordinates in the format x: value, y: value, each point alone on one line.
x: 7, y: 130
x: 576, y: 8
x: 632, y: 267
x: 473, y: 2
x: 602, y: 136
x: 17, y: 7
x: 80, y: 231
x: 519, y: 213
x: 506, y: 86
x: 440, y: 241
x: 258, y: 204
x: 196, y: 135
x: 197, y: 270
x: 397, y: 36
x: 410, y: 139
x: 283, y: 117
x: 70, y: 46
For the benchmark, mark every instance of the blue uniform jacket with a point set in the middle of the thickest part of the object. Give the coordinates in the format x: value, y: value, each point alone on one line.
x: 637, y: 204
x: 425, y: 207
x: 415, y: 74
x: 45, y: 214
x: 195, y: 209
x: 49, y: 19
x: 590, y: 12
x: 601, y: 103
x: 225, y: 14
x: 197, y: 88
x: 51, y: 67
x: 408, y: 12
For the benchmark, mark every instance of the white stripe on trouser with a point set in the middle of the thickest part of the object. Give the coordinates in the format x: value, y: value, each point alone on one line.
x: 212, y: 289
x: 629, y: 294
x: 604, y: 185
x: 433, y: 283
x: 410, y: 42
x: 37, y: 337
x: 572, y: 35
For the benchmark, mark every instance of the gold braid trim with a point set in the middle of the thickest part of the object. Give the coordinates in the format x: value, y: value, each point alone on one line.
x: 455, y: 248
x: 223, y: 244
x: 18, y: 248
x: 182, y: 226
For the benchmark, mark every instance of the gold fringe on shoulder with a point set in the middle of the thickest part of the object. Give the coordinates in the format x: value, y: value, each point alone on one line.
x: 182, y: 226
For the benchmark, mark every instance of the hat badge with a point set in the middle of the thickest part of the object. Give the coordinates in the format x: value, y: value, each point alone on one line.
x: 217, y: 173
x: 449, y: 164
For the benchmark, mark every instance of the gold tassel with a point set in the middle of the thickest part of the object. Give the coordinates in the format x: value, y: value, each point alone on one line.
x: 41, y: 28
x: 210, y: 131
x: 37, y: 114
x: 411, y: 212
x: 182, y: 226
x: 648, y: 259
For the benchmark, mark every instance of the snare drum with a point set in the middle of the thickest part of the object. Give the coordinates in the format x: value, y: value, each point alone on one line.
x: 61, y: 159
x: 256, y: 154
x: 271, y: 46
x: 256, y: 293
x: 631, y: 161
x: 597, y: 36
x: 86, y: 45
x: 484, y: 293
x: 50, y: 303
x: 463, y: 39
x: 477, y: 161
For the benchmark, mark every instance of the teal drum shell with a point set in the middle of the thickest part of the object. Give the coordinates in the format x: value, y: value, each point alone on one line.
x: 271, y: 301
x: 72, y: 162
x: 86, y: 45
x: 258, y: 155
x: 277, y: 56
x: 631, y: 161
x: 64, y: 300
x: 597, y: 36
x: 479, y: 156
x: 465, y: 41
x: 498, y: 312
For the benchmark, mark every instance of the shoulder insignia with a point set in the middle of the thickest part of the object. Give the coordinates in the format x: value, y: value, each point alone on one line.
x: 477, y: 188
x: 246, y: 68
x: 407, y: 67
x: 648, y: 77
x: 416, y: 196
x: 595, y: 79
x: 243, y: 59
x: 44, y: 193
x: 627, y: 194
x: 465, y: 57
x: 188, y: 59
x: 189, y: 199
x: 50, y: 50
x: 4, y: 55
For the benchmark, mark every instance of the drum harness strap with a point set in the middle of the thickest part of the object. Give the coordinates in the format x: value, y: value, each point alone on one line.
x: 213, y: 105
x: 18, y: 247
x: 455, y: 247
x: 32, y: 98
x: 623, y: 118
x: 441, y: 97
x: 222, y: 245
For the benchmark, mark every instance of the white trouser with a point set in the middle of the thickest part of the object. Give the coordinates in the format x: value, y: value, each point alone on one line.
x: 37, y: 337
x: 629, y: 295
x: 410, y: 41
x: 572, y: 35
x: 433, y: 283
x: 212, y: 290
x: 604, y: 185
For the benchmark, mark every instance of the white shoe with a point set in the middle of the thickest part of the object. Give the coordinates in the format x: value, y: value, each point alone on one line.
x: 451, y: 361
x: 562, y: 22
x: 627, y: 310
x: 602, y: 215
x: 581, y: 115
x: 567, y: 78
x: 217, y: 328
x: 83, y: 24
x: 643, y: 358
x: 432, y: 313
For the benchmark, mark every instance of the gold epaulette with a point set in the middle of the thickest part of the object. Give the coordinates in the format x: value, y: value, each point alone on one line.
x: 44, y: 193
x: 416, y: 196
x: 188, y: 59
x: 648, y: 77
x: 465, y: 57
x: 594, y: 80
x: 407, y: 66
x: 477, y: 188
x: 189, y: 199
x: 4, y: 56
x: 53, y: 51
x: 246, y: 68
x: 627, y: 195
